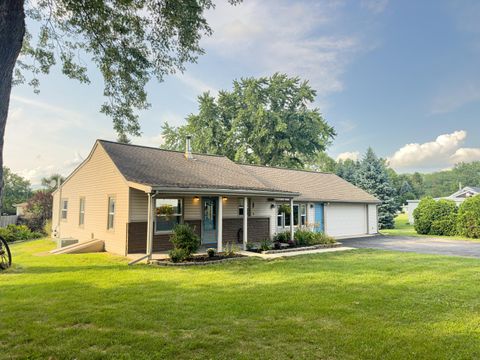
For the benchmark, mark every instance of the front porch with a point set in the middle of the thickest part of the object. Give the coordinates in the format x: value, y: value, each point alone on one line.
x: 217, y: 219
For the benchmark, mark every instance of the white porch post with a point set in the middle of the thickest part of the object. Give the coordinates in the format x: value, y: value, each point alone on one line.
x: 291, y: 220
x: 245, y: 222
x: 220, y: 225
x: 150, y: 227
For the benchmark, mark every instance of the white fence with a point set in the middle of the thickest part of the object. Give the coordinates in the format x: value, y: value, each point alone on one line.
x: 7, y: 220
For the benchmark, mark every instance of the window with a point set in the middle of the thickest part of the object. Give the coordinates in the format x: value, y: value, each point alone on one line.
x: 81, y: 212
x: 299, y: 216
x: 111, y: 212
x: 303, y: 214
x: 168, y: 214
x: 64, y: 209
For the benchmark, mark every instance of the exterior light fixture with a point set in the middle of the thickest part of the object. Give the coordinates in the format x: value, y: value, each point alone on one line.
x: 196, y: 198
x: 225, y: 198
x: 272, y: 206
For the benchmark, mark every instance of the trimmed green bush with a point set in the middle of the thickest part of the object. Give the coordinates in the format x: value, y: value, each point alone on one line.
x: 13, y: 233
x: 282, y: 237
x: 304, y: 237
x: 211, y: 252
x: 177, y: 255
x: 423, y: 215
x: 184, y: 237
x: 265, y: 244
x: 468, y: 221
x: 446, y: 226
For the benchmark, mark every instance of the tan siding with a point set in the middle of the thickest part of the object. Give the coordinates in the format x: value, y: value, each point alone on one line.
x: 138, y: 205
x: 192, y: 208
x: 95, y: 180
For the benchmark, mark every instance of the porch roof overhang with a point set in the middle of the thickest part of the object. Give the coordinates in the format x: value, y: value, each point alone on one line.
x: 212, y: 191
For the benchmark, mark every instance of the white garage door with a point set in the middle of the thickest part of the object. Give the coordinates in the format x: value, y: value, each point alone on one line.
x: 346, y: 219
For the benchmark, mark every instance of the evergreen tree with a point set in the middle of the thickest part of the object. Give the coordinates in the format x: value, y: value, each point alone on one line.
x: 372, y: 176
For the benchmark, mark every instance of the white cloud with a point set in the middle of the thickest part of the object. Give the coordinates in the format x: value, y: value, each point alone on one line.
x: 276, y: 36
x: 466, y: 155
x: 443, y: 152
x: 196, y: 85
x: 352, y: 155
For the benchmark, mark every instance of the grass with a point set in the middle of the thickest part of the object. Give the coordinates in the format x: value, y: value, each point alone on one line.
x: 404, y: 228
x: 361, y: 304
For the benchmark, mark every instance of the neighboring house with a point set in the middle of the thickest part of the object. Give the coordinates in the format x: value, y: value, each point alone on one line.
x: 20, y: 208
x: 458, y: 197
x: 132, y: 196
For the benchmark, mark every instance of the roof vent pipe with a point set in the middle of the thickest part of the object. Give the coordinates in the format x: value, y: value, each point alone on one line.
x: 188, y: 148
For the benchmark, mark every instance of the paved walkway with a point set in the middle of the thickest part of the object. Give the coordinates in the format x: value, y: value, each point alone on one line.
x: 417, y: 244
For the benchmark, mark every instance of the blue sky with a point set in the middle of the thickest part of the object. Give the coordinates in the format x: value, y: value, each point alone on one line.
x: 400, y: 76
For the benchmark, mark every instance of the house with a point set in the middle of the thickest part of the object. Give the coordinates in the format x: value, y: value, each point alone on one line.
x: 131, y: 197
x: 458, y: 196
x: 20, y: 208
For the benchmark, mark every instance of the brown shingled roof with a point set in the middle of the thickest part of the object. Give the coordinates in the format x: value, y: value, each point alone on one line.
x: 312, y: 186
x: 164, y: 168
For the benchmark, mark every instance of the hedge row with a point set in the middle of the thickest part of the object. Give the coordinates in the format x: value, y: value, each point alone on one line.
x: 443, y: 217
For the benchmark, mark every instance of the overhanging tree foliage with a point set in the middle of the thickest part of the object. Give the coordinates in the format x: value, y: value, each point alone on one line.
x: 265, y: 120
x: 131, y: 41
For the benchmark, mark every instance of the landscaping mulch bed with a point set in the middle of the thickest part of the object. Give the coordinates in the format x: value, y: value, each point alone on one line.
x: 301, y: 248
x: 200, y: 260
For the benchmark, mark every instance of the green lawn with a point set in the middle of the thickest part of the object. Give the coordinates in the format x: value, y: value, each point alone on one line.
x: 361, y: 304
x: 403, y: 228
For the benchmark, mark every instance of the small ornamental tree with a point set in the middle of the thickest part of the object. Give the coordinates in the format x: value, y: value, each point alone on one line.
x: 423, y: 215
x: 468, y: 222
x: 372, y: 177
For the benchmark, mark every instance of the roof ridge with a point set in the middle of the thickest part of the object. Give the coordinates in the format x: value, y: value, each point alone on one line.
x: 156, y: 148
x: 285, y: 168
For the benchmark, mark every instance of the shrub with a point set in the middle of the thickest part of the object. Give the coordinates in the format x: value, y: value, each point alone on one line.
x: 282, y: 237
x: 18, y: 232
x: 184, y: 237
x: 468, y: 221
x: 423, y: 215
x: 265, y: 244
x: 230, y: 249
x: 177, y: 255
x: 211, y: 252
x: 321, y: 238
x: 304, y: 237
x: 251, y: 246
x: 446, y: 226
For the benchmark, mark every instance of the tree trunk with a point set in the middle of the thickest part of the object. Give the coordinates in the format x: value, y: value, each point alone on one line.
x: 12, y: 30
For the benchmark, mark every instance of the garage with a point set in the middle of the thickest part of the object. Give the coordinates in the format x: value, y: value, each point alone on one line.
x: 346, y: 219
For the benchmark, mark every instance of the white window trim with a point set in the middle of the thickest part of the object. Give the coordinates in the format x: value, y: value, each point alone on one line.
x: 114, y: 197
x: 80, y: 212
x: 299, y: 217
x: 181, y: 215
x: 64, y: 210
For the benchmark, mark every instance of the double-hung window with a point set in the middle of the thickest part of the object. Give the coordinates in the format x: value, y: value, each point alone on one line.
x: 299, y: 216
x: 168, y: 214
x: 64, y: 211
x: 81, y: 212
x: 111, y: 213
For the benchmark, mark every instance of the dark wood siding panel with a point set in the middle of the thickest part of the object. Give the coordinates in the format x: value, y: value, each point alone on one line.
x: 137, y: 237
x: 258, y: 230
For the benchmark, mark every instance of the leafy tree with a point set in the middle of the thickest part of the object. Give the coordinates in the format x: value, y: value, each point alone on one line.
x: 347, y: 170
x: 321, y: 162
x: 39, y: 209
x: 16, y: 190
x: 468, y: 223
x: 51, y: 182
x: 130, y: 42
x: 372, y: 177
x: 263, y: 120
x: 123, y: 138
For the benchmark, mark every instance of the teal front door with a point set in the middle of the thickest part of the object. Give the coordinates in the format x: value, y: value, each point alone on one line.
x: 319, y: 223
x: 209, y: 220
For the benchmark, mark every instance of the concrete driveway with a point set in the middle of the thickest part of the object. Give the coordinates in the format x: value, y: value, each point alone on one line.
x: 417, y: 244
